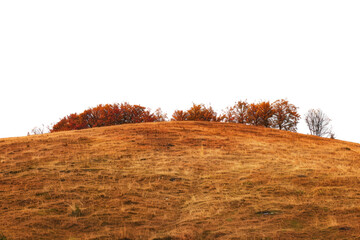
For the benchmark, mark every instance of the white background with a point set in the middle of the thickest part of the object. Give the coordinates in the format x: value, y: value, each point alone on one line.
x: 61, y: 57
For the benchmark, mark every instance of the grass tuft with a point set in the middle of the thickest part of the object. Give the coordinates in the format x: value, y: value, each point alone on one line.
x: 76, y: 211
x: 2, y: 237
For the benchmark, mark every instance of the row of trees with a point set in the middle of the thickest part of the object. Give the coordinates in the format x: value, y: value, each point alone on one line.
x: 280, y: 115
x: 108, y: 115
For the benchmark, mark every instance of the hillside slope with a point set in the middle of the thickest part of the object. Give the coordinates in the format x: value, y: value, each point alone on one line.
x: 179, y: 180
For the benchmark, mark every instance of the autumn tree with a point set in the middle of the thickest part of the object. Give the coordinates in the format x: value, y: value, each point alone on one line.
x: 260, y: 114
x: 94, y: 117
x: 135, y: 114
x: 179, y: 115
x: 318, y: 123
x: 237, y: 113
x: 70, y: 122
x: 107, y: 115
x: 285, y: 116
x: 253, y: 114
x: 198, y: 112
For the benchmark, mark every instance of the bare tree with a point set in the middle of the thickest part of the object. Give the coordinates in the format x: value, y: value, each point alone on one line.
x: 318, y: 123
x: 160, y: 116
x: 39, y: 130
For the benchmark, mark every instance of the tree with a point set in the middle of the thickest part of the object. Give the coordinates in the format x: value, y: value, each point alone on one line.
x: 135, y: 114
x: 237, y: 113
x: 160, y: 116
x: 260, y: 114
x: 94, y: 117
x: 107, y: 115
x: 198, y: 112
x: 285, y: 116
x: 318, y: 123
x: 70, y: 122
x: 39, y: 130
x: 179, y: 115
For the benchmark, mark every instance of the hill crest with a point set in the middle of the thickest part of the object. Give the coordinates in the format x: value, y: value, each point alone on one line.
x: 178, y: 180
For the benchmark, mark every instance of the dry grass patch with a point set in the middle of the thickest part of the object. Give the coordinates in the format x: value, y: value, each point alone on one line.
x: 179, y: 180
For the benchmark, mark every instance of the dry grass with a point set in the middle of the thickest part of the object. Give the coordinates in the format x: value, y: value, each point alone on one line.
x: 179, y: 180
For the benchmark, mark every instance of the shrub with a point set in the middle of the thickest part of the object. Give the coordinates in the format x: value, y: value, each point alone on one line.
x: 198, y: 112
x: 107, y: 115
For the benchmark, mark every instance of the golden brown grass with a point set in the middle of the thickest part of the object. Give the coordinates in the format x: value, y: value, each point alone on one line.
x: 179, y: 180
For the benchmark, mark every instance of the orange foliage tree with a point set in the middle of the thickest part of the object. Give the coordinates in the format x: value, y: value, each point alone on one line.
x: 237, y: 113
x: 107, y: 115
x: 260, y: 114
x: 285, y: 116
x: 180, y: 115
x: 198, y: 112
x: 70, y: 122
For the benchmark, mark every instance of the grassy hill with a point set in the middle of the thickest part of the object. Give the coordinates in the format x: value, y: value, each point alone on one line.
x: 179, y: 180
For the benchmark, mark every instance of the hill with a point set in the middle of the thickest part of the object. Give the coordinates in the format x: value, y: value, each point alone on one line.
x: 179, y: 180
